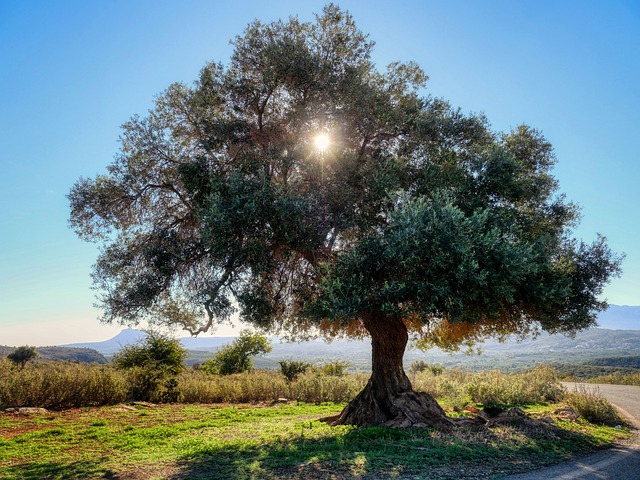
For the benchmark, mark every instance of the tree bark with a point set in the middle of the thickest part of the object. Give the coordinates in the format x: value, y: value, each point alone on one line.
x: 388, y: 398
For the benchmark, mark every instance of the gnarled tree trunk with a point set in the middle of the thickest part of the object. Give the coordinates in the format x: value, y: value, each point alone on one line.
x: 388, y: 398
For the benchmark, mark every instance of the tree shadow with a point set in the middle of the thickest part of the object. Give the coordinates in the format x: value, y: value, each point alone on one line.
x: 52, y: 470
x: 468, y: 452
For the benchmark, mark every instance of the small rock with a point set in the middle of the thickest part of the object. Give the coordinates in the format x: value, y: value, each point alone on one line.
x: 567, y: 413
x: 513, y: 412
x: 31, y: 410
x: 124, y: 408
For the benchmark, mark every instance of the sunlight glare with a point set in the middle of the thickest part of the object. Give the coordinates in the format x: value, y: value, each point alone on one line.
x: 322, y: 141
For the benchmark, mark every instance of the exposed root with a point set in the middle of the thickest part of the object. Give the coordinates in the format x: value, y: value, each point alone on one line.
x: 408, y: 409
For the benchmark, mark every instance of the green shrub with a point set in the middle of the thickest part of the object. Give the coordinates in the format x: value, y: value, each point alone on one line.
x: 593, y: 407
x: 236, y: 356
x: 335, y: 368
x: 420, y: 366
x: 292, y: 368
x: 152, y: 365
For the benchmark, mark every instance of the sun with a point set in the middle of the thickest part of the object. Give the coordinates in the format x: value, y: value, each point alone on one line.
x: 322, y: 141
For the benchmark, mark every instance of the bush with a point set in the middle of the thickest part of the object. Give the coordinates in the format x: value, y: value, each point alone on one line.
x: 420, y: 366
x: 336, y: 368
x: 236, y: 357
x: 292, y: 368
x: 593, y: 407
x: 152, y: 365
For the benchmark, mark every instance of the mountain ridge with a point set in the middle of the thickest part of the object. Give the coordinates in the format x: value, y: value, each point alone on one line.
x: 511, y: 354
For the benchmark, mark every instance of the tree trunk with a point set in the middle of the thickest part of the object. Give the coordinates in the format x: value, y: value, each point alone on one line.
x: 388, y: 398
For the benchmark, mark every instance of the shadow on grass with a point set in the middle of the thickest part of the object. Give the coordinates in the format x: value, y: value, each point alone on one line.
x: 367, y: 453
x: 50, y: 470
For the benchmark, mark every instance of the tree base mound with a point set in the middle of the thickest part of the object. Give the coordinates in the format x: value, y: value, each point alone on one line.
x: 407, y: 410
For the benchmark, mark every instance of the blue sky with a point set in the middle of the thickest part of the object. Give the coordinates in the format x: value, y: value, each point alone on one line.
x: 71, y: 72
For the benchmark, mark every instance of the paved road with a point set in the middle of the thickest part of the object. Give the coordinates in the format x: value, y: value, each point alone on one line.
x: 620, y: 463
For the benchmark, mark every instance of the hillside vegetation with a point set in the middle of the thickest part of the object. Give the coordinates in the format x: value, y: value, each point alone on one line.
x: 85, y: 355
x: 619, y: 370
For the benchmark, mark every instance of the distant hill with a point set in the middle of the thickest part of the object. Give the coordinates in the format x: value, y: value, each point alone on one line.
x: 130, y: 336
x: 620, y: 317
x: 85, y: 355
x: 621, y: 337
x: 127, y: 336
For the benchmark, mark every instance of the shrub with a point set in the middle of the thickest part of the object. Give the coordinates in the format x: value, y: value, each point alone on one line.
x: 268, y: 386
x: 152, y: 365
x: 593, y: 407
x: 335, y: 368
x: 236, y: 357
x: 58, y: 385
x: 420, y: 366
x: 493, y: 388
x: 292, y: 368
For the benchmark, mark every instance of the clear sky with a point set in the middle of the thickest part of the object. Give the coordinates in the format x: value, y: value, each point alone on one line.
x: 71, y: 72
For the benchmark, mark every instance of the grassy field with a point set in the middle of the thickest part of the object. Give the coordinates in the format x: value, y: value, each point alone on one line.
x: 283, y: 441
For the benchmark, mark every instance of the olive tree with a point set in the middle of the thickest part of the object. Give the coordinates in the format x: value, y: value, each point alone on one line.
x: 23, y: 355
x: 312, y: 193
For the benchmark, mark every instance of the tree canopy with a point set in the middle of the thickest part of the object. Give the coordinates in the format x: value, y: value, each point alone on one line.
x: 413, y: 218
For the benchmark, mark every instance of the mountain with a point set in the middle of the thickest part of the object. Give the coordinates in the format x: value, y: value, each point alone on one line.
x: 619, y: 337
x: 130, y: 336
x: 127, y: 336
x: 620, y: 317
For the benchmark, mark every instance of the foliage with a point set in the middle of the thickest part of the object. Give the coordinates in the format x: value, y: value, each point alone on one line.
x: 416, y: 212
x: 593, y: 407
x: 292, y: 368
x: 335, y: 368
x: 153, y: 363
x: 236, y: 357
x: 619, y: 362
x: 22, y: 355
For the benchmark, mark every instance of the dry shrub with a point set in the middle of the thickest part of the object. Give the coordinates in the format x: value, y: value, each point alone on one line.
x: 266, y: 386
x: 458, y: 387
x: 57, y: 385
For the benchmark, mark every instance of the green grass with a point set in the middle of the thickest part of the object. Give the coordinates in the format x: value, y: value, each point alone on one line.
x: 278, y: 442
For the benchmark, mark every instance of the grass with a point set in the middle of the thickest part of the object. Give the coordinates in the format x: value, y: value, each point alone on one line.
x: 284, y: 441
